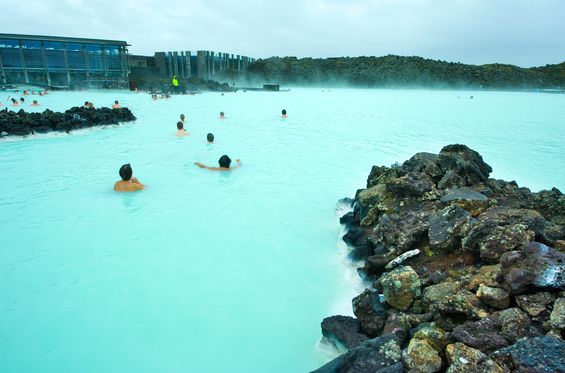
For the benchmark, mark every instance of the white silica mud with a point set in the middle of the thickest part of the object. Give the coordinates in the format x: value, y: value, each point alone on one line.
x: 220, y: 271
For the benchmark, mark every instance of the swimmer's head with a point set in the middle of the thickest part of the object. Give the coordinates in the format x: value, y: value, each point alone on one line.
x: 182, y: 117
x: 126, y: 172
x: 179, y: 125
x: 35, y: 101
x: 224, y: 161
x: 22, y: 99
x: 284, y: 112
x: 210, y: 137
x: 221, y: 113
x: 116, y: 102
x: 86, y: 103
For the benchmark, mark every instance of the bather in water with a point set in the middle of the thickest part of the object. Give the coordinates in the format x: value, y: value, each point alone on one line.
x: 128, y: 182
x: 224, y: 163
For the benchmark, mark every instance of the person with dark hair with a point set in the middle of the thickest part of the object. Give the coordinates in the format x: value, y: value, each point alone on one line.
x: 210, y: 138
x: 22, y: 100
x: 222, y: 115
x: 14, y: 102
x: 181, y: 131
x: 116, y: 105
x: 128, y: 182
x: 86, y: 104
x: 224, y: 163
x: 34, y: 103
x: 283, y: 114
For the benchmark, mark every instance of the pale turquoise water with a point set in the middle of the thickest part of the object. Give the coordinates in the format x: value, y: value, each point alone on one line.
x: 219, y: 272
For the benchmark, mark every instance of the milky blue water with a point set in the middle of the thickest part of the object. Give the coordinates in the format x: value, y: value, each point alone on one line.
x: 220, y: 272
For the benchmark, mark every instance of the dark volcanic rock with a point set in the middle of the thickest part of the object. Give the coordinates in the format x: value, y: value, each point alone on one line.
x: 467, y: 163
x: 382, y: 175
x: 423, y: 162
x: 486, y: 289
x: 447, y: 227
x: 343, y: 329
x: 400, y: 233
x: 22, y: 123
x: 401, y: 287
x: 451, y: 180
x: 370, y: 312
x: 550, y: 203
x: 413, y: 184
x: 541, y: 354
x: 382, y: 354
x: 536, y: 265
x: 536, y: 304
x: 459, y: 194
x: 503, y: 239
x: 483, y: 335
x: 545, y: 232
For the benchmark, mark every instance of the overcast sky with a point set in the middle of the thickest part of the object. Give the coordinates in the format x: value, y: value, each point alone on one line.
x: 521, y: 32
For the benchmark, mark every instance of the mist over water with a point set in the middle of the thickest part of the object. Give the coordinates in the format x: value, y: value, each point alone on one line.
x: 207, y: 271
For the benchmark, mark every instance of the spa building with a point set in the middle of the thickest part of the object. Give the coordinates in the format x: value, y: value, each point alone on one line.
x: 53, y: 61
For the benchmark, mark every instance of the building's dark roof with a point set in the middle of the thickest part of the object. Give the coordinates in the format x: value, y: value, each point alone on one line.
x: 63, y: 39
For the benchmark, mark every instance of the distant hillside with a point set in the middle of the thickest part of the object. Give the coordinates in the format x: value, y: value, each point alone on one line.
x: 398, y: 71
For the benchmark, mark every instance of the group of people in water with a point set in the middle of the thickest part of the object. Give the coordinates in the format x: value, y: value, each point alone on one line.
x: 128, y: 183
x: 22, y: 100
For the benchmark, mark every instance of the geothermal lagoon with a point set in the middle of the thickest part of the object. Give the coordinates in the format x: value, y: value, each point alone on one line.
x: 207, y: 271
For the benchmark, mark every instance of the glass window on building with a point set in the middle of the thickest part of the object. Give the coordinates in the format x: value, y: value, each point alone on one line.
x: 55, y: 56
x: 58, y: 78
x: 10, y: 53
x: 33, y: 55
x: 113, y: 58
x: 93, y: 48
x: 37, y: 77
x: 75, y: 60
x: 94, y: 56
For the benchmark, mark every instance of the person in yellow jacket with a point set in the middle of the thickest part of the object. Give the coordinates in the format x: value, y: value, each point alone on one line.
x: 175, y: 82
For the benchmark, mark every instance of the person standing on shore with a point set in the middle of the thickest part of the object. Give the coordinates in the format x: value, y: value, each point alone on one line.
x: 175, y: 83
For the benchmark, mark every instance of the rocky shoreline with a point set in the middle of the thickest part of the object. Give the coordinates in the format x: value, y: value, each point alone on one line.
x: 22, y: 123
x: 464, y: 273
